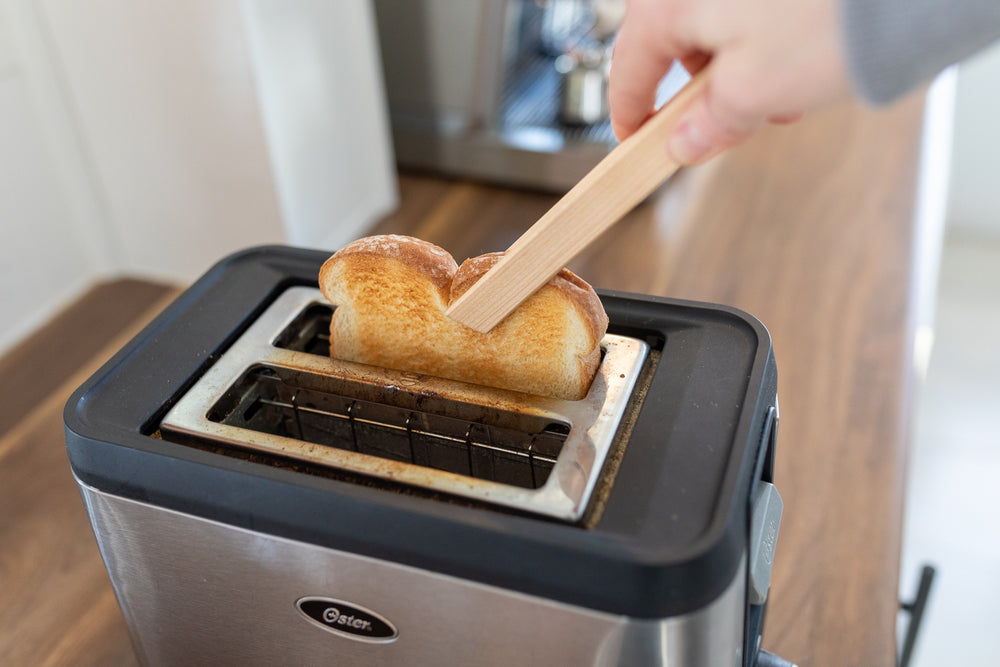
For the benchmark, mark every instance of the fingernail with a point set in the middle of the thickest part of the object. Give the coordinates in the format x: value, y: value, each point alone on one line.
x: 688, y: 144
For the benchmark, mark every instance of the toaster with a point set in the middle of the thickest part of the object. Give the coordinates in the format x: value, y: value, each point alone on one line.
x: 258, y: 502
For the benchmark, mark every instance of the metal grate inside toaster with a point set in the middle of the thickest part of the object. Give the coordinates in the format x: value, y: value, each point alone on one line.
x: 277, y: 392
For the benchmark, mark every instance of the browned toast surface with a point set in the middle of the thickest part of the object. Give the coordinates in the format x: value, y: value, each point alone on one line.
x: 391, y: 294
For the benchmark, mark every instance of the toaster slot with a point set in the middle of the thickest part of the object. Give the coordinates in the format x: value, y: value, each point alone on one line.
x: 309, y: 332
x: 276, y: 395
x: 499, y: 446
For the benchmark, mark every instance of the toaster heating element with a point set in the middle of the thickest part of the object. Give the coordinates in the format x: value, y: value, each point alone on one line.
x: 257, y: 502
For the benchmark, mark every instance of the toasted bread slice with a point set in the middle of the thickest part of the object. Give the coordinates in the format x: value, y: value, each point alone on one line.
x: 391, y: 294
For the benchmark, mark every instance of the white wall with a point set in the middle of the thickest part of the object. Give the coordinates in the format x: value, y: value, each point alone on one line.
x: 133, y: 139
x: 41, y: 263
x: 164, y: 98
x: 974, y: 201
x: 324, y: 109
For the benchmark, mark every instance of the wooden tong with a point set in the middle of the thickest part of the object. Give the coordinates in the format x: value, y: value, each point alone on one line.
x: 625, y: 177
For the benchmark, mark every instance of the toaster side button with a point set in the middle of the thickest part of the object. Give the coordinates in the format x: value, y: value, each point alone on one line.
x: 764, y: 525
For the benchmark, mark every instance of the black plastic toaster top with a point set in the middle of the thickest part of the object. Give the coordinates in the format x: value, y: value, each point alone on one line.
x: 672, y: 525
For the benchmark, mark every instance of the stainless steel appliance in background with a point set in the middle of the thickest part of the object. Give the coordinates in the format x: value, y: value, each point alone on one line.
x: 509, y: 91
x: 259, y: 503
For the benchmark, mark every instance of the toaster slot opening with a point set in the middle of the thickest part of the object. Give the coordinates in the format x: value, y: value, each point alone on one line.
x: 515, y: 449
x: 309, y: 332
x: 276, y: 397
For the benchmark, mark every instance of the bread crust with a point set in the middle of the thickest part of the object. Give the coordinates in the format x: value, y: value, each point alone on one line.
x: 391, y: 294
x: 433, y: 260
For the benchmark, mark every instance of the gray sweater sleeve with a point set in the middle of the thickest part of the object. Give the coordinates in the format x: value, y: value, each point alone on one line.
x: 895, y: 45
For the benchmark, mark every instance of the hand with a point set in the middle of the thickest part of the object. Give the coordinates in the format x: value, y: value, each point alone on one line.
x: 767, y: 60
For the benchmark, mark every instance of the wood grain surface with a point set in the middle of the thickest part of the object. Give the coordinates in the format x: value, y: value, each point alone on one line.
x: 56, y: 602
x: 808, y: 227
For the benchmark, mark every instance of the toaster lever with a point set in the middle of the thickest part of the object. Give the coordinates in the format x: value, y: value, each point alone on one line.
x: 764, y: 523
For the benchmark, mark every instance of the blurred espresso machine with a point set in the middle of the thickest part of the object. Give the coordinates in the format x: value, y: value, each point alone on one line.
x: 507, y: 91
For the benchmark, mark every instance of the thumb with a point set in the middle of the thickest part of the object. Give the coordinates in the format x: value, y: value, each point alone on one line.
x: 704, y: 130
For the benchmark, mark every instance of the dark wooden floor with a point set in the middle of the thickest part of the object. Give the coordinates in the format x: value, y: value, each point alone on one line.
x: 810, y: 228
x: 56, y: 603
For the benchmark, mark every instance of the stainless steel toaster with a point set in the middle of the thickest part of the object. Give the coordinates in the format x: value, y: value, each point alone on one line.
x: 257, y: 502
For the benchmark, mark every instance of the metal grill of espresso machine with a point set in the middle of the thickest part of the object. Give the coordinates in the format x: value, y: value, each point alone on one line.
x: 257, y: 502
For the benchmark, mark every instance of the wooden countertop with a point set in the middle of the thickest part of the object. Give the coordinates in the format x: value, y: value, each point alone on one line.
x: 810, y: 228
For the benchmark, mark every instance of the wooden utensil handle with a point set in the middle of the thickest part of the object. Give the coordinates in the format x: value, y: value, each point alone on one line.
x: 626, y: 176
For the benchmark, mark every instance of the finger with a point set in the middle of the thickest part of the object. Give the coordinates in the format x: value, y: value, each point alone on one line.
x: 638, y: 64
x: 704, y: 131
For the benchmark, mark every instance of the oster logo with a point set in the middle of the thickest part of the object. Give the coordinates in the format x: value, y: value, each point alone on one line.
x: 346, y: 619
